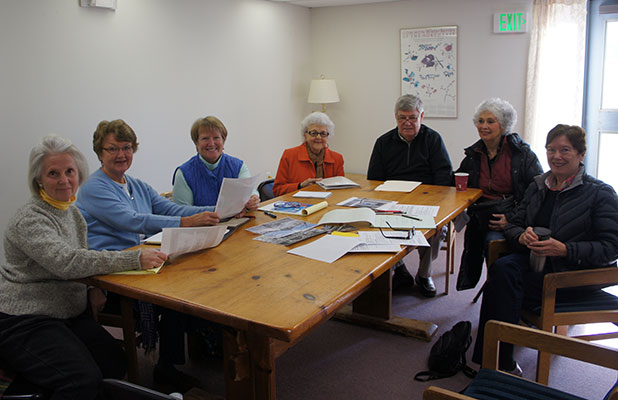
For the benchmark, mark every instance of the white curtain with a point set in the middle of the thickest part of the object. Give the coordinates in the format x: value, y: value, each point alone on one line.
x: 555, y: 81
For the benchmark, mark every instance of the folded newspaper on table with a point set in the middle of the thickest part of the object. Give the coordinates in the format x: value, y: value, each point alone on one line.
x: 352, y: 215
x: 337, y: 182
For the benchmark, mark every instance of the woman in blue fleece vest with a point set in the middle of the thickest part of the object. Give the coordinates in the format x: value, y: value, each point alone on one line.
x: 198, y: 181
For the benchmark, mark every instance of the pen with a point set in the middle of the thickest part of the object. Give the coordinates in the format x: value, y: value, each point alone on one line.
x: 411, y: 217
x: 388, y: 212
x: 271, y: 215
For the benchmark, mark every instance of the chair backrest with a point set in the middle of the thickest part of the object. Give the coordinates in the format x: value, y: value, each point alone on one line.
x: 497, y: 248
x: 121, y: 390
x: 265, y: 189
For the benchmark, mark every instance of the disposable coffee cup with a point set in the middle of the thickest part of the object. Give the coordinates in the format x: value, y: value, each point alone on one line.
x: 537, y: 263
x: 461, y: 181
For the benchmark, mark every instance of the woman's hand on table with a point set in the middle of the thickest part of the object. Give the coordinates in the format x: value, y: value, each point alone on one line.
x: 200, y: 219
x: 308, y: 181
x: 151, y: 258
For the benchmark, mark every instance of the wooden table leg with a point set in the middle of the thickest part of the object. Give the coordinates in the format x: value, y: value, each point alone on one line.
x: 249, y: 365
x: 374, y: 309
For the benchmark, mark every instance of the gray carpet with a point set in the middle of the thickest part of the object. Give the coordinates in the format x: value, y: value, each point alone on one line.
x: 342, y: 361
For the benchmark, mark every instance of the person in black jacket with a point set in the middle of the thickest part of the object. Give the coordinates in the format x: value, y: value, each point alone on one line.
x: 412, y: 152
x: 582, y: 214
x: 502, y: 165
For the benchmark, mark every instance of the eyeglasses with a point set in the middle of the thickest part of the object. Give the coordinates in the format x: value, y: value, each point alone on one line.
x: 397, y: 233
x: 114, y: 150
x: 287, y: 205
x: 316, y: 133
x: 563, y: 150
x: 404, y: 119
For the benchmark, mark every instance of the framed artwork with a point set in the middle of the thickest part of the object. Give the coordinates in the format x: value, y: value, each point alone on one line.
x: 429, y: 68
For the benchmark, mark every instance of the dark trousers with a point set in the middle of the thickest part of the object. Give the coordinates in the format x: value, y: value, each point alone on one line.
x: 66, y: 358
x: 510, y: 286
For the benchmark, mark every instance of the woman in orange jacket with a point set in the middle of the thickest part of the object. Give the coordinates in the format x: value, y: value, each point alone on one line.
x: 312, y: 160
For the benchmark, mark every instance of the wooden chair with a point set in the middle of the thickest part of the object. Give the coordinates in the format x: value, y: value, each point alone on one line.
x: 493, y: 384
x: 449, y: 247
x: 552, y: 316
x: 126, y: 321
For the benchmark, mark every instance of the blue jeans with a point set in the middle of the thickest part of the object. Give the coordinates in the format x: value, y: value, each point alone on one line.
x: 67, y: 358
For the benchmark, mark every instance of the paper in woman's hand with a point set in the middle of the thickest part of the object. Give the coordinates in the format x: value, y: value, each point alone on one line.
x: 234, y: 194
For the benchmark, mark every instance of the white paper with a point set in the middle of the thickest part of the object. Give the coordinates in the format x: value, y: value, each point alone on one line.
x: 234, y: 195
x: 154, y: 239
x: 328, y: 248
x: 398, y: 186
x: 376, y: 237
x: 312, y: 195
x: 178, y: 241
x: 350, y: 216
x: 337, y: 182
x: 376, y: 248
x: 412, y: 209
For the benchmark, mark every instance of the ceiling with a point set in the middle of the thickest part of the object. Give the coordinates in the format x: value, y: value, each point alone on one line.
x: 330, y: 3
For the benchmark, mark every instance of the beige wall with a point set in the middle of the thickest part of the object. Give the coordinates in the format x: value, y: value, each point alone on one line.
x: 359, y: 47
x: 160, y: 64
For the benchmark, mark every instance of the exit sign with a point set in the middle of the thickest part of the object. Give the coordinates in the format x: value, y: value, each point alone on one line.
x: 510, y: 22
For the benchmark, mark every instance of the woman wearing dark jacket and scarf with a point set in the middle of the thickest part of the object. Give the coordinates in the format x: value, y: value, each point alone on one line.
x: 582, y: 214
x: 502, y: 165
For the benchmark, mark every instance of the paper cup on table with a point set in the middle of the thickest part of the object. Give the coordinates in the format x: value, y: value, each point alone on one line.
x: 314, y: 208
x: 461, y: 181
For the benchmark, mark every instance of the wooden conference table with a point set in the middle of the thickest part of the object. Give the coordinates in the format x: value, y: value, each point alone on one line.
x: 268, y: 300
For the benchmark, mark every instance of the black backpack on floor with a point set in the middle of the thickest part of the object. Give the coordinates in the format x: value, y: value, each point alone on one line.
x: 448, y: 354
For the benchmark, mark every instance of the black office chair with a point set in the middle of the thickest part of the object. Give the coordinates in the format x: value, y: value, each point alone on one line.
x: 265, y: 189
x: 13, y: 392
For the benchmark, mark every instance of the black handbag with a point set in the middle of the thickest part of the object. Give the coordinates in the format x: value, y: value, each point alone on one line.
x: 483, y: 210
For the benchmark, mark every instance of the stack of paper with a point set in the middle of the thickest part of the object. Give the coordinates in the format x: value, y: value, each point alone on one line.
x: 398, y: 186
x: 312, y: 195
x: 337, y: 182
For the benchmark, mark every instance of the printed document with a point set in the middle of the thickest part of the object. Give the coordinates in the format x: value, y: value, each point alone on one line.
x: 328, y: 248
x: 348, y: 216
x: 234, y: 194
x: 411, y: 209
x: 178, y: 241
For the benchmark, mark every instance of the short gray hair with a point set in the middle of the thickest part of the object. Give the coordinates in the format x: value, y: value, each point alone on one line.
x: 409, y: 102
x: 317, y: 118
x: 501, y: 109
x: 50, y: 145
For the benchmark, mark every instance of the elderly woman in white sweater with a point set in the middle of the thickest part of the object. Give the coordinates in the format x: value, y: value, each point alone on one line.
x: 47, y: 335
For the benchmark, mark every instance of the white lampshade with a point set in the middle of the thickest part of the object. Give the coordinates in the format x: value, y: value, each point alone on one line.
x: 323, y: 91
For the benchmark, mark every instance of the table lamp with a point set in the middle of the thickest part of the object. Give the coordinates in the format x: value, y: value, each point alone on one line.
x: 323, y: 91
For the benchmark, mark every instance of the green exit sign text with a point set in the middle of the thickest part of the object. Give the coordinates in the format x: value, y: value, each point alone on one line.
x: 510, y: 22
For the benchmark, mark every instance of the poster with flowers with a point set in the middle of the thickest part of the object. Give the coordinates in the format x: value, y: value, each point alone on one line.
x: 429, y: 68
